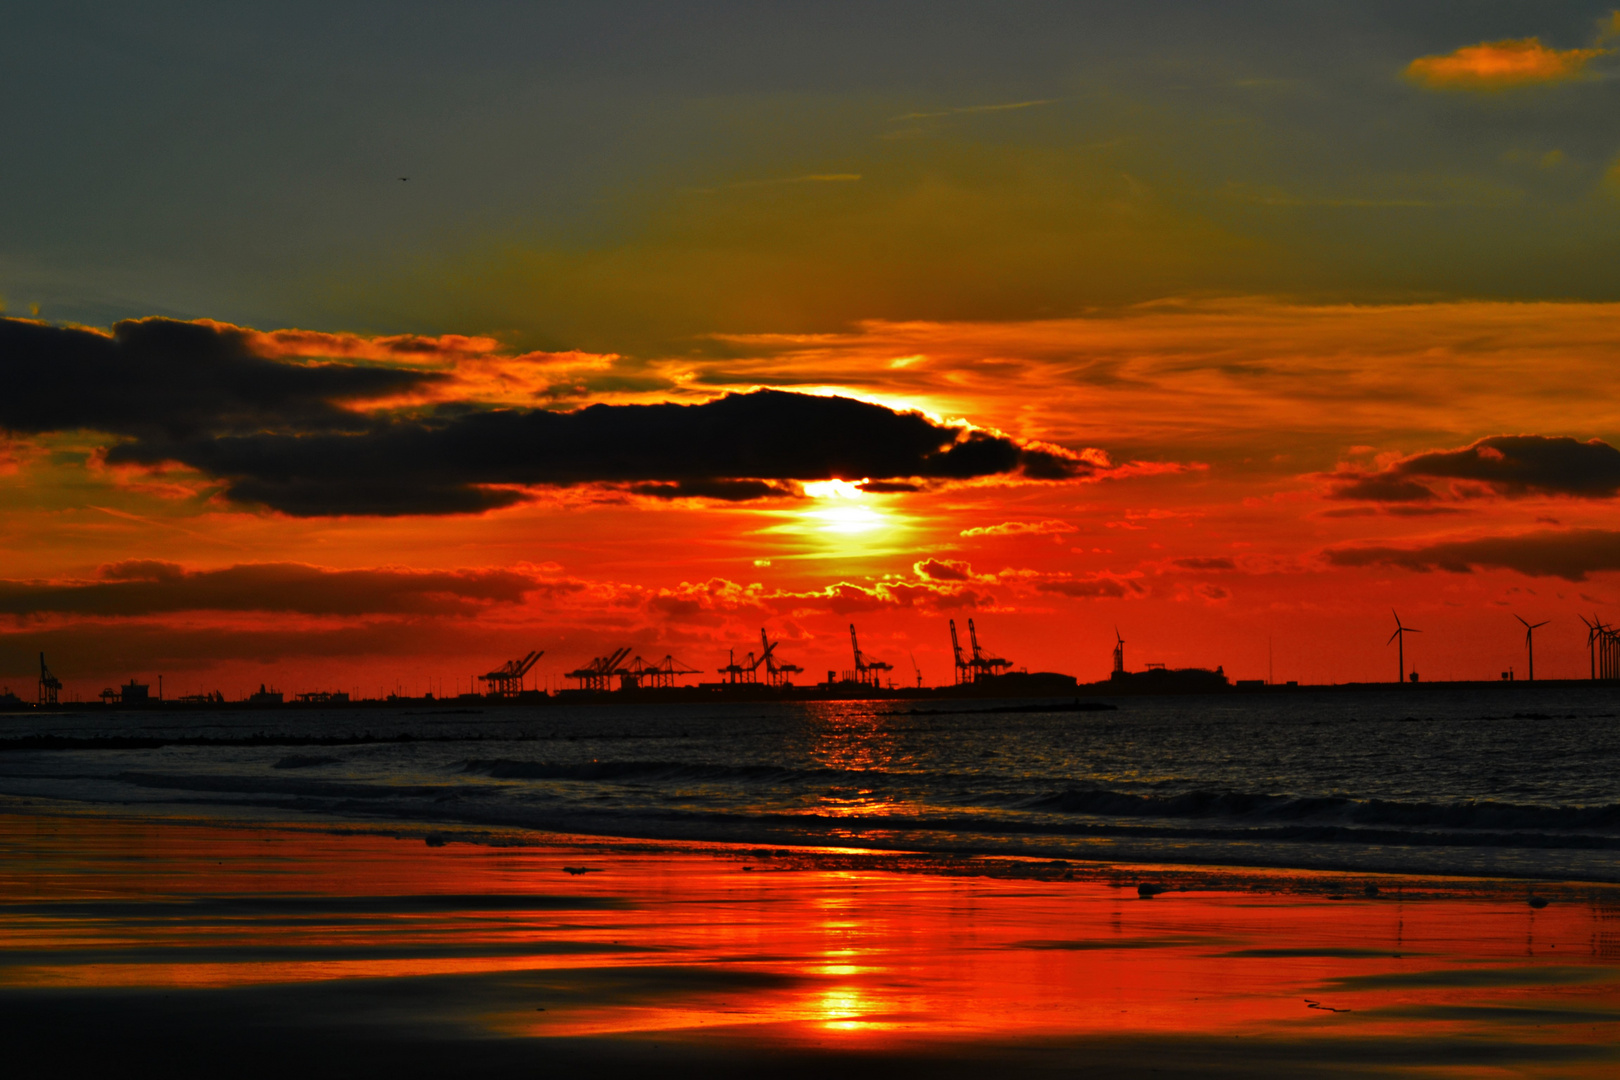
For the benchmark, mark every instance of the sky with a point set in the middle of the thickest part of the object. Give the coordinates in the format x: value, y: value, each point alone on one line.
x: 363, y: 347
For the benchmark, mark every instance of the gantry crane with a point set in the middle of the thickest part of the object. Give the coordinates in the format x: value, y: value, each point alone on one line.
x: 980, y: 663
x: 776, y: 673
x: 598, y: 674
x: 868, y: 672
x: 662, y: 675
x: 507, y: 680
x: 50, y: 687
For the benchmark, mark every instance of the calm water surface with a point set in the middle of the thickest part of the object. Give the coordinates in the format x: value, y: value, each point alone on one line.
x: 1466, y: 782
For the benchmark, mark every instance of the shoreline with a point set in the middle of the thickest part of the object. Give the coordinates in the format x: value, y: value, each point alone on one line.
x: 1058, y: 700
x: 1190, y: 876
x: 254, y: 948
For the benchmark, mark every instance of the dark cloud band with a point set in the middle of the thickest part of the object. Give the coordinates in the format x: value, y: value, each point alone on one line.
x: 1570, y: 554
x: 1506, y: 465
x: 280, y: 435
x: 170, y: 381
x: 147, y: 588
x: 737, y: 447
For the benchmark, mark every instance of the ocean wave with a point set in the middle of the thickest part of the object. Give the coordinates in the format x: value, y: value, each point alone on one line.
x: 1250, y: 807
x: 663, y: 772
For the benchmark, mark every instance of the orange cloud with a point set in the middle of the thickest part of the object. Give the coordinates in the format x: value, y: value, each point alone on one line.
x: 318, y: 345
x: 478, y: 367
x: 932, y: 569
x: 1497, y: 65
x: 1021, y: 528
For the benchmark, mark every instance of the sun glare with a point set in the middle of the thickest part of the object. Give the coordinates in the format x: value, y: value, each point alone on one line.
x: 839, y: 518
x: 844, y: 513
x: 849, y: 519
x: 833, y: 489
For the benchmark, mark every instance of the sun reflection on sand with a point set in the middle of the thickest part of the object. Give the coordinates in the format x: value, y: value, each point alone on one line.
x: 841, y: 1008
x: 659, y: 941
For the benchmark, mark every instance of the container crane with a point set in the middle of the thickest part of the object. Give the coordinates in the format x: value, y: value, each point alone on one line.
x: 868, y: 672
x: 506, y: 681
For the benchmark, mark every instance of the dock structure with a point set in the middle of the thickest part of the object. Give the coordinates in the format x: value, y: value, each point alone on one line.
x: 867, y: 671
x: 507, y: 680
x: 598, y: 675
x: 50, y: 687
x: 738, y: 673
x: 639, y: 674
x: 777, y: 673
x: 979, y: 664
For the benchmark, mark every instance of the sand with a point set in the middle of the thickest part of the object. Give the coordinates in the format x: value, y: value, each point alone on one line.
x: 260, y: 949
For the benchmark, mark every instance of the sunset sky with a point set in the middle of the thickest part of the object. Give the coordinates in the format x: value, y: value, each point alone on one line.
x: 372, y: 345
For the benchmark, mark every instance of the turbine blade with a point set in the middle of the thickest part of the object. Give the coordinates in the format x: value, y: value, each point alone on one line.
x: 1521, y: 620
x: 1393, y: 636
x: 1543, y: 622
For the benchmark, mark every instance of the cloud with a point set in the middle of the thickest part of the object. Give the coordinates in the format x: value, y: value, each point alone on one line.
x: 97, y: 650
x: 1570, y: 554
x: 316, y: 344
x: 962, y: 110
x: 159, y: 379
x: 724, y: 490
x: 1095, y: 586
x: 456, y: 461
x: 1498, y: 65
x: 293, y: 436
x: 148, y: 587
x: 845, y: 598
x: 1204, y: 563
x: 943, y: 570
x: 1021, y: 528
x: 1512, y: 466
x: 720, y: 597
x: 1378, y: 488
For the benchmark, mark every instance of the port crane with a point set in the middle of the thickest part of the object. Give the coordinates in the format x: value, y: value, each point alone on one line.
x: 661, y: 675
x: 597, y: 674
x: 50, y: 687
x: 980, y: 663
x: 868, y: 672
x: 777, y: 673
x: 507, y: 680
x: 740, y: 673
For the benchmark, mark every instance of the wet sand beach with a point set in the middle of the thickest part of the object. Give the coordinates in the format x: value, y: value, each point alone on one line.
x: 265, y: 948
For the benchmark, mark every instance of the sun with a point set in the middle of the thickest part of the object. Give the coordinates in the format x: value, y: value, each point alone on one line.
x: 845, y: 508
x: 839, y: 519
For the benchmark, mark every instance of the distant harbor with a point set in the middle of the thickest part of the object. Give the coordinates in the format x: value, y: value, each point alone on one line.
x: 619, y: 678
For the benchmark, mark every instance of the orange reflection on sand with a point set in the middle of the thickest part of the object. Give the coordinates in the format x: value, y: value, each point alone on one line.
x: 786, y: 948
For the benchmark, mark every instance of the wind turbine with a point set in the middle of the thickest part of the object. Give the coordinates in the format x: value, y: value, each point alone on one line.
x: 1530, y: 642
x: 1400, y: 649
x: 1591, y: 643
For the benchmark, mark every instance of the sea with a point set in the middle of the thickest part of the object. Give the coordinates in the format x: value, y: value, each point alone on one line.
x: 1472, y: 782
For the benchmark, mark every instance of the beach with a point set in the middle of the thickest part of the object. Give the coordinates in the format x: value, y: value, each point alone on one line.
x: 259, y: 947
